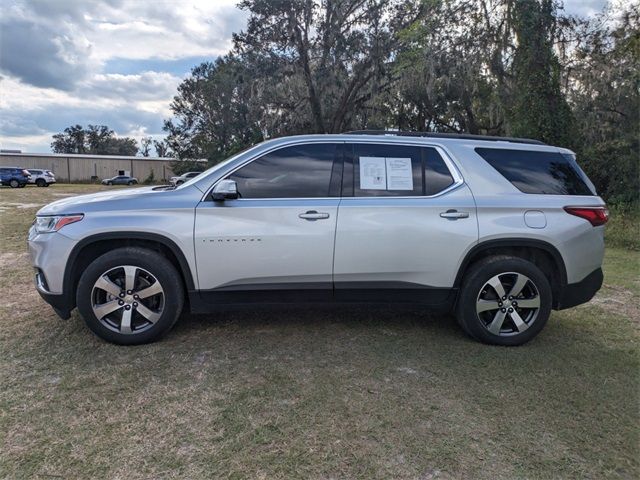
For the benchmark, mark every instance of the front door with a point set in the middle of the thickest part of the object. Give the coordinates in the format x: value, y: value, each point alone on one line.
x: 404, y: 224
x: 275, y: 242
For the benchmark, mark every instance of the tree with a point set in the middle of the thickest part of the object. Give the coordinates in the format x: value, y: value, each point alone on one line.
x: 71, y: 141
x: 449, y: 78
x: 162, y: 148
x: 95, y: 140
x: 318, y: 65
x: 212, y: 117
x: 498, y: 67
x: 539, y: 108
x: 183, y: 166
x: 604, y: 91
x: 145, y: 146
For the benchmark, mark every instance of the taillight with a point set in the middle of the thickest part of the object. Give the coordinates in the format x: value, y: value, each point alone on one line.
x: 595, y: 215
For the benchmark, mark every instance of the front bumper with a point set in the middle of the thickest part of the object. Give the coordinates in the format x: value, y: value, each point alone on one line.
x: 60, y: 304
x: 49, y: 253
x: 581, y: 292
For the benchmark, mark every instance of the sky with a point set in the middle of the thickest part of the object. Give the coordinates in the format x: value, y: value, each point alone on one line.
x: 110, y: 62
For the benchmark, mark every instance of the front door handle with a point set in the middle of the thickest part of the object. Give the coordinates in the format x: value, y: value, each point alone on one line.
x: 454, y: 214
x: 314, y: 215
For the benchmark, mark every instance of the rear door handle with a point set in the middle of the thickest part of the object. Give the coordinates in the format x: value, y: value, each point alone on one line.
x: 314, y: 215
x: 454, y: 214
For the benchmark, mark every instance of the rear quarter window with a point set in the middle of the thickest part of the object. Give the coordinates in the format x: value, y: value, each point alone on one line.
x: 548, y: 173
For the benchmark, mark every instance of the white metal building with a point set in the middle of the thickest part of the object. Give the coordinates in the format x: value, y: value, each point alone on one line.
x: 86, y: 168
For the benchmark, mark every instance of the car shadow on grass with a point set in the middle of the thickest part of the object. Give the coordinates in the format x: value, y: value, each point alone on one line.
x: 389, y: 319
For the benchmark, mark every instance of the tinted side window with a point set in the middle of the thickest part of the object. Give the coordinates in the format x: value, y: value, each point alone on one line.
x: 537, y: 172
x: 299, y: 171
x: 437, y: 176
x: 386, y: 170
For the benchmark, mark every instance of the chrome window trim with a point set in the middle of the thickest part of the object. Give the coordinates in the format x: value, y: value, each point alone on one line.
x: 458, y: 180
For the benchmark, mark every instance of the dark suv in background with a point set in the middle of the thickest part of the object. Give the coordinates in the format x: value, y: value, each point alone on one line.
x: 14, y: 177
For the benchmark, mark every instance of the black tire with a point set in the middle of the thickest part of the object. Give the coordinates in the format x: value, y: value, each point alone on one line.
x: 152, y: 262
x: 14, y: 183
x: 46, y: 184
x: 476, y: 279
x: 110, y: 184
x: 40, y: 182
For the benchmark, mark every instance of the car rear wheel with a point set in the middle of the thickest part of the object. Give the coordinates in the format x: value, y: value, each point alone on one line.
x: 14, y: 184
x: 504, y: 301
x: 130, y: 296
x: 40, y: 182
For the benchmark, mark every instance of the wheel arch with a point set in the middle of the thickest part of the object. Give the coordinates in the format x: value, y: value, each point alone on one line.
x: 89, y: 248
x: 541, y: 253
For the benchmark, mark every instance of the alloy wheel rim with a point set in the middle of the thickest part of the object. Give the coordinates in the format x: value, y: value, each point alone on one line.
x: 127, y: 299
x: 508, y: 304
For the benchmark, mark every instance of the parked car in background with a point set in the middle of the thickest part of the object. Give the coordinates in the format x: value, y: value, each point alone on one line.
x: 183, y: 178
x: 498, y: 230
x: 41, y: 178
x: 14, y: 176
x: 120, y: 180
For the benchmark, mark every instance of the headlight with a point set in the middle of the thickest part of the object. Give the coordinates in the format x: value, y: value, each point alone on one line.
x: 49, y: 224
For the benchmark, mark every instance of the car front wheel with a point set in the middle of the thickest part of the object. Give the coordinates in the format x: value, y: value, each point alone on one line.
x: 14, y: 184
x: 130, y: 296
x: 504, y: 301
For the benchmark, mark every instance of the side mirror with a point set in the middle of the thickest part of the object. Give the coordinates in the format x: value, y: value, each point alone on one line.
x: 225, y: 190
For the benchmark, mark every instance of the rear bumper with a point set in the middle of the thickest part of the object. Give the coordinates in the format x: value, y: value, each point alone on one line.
x: 578, y: 293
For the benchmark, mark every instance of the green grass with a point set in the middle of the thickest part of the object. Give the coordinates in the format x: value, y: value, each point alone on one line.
x: 623, y: 229
x: 315, y: 394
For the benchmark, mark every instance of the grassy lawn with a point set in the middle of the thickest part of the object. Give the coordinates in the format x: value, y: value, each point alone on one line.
x: 304, y: 394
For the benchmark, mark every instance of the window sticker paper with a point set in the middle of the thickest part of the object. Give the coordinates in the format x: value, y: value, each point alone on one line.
x: 372, y: 173
x: 399, y: 174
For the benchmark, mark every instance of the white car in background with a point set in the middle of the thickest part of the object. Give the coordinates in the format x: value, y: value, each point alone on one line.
x: 42, y: 178
x: 183, y: 178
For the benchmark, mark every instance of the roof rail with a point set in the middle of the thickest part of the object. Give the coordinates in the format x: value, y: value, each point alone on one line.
x: 461, y: 136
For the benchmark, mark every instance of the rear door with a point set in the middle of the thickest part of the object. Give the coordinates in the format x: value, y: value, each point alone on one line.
x: 405, y: 222
x: 279, y: 235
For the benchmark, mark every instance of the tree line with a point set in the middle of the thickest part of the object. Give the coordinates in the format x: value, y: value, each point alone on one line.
x: 498, y: 67
x: 101, y: 140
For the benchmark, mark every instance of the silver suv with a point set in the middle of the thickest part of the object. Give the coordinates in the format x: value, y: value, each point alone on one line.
x: 498, y: 230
